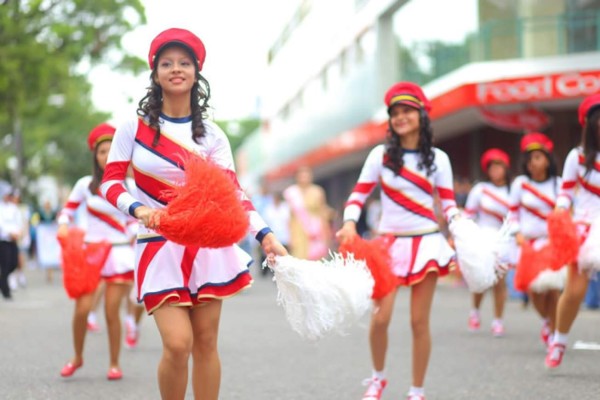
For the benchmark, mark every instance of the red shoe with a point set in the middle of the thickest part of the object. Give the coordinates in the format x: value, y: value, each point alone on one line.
x: 375, y: 388
x: 555, y: 355
x: 131, y: 340
x: 69, y: 369
x: 474, y: 323
x: 114, y: 374
x: 545, y: 334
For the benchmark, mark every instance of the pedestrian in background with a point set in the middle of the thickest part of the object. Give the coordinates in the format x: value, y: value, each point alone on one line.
x: 409, y: 170
x: 310, y: 231
x: 11, y: 230
x: 487, y: 203
x: 181, y: 286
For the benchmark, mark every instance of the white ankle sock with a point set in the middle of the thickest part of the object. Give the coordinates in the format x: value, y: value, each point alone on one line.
x: 560, y: 338
x: 497, y: 321
x: 92, y: 318
x: 474, y: 313
x: 379, y: 375
x: 419, y: 391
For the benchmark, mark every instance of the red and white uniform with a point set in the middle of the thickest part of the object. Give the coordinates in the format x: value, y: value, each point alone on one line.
x: 407, y: 212
x: 580, y: 190
x: 530, y: 204
x: 166, y: 271
x: 488, y: 204
x: 586, y: 199
x: 104, y: 223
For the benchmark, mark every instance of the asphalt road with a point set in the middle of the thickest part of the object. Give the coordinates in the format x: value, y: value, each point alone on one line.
x: 264, y: 359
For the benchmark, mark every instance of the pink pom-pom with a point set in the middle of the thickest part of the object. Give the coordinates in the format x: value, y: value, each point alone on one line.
x: 563, y: 238
x: 81, y: 262
x: 205, y: 211
x: 376, y: 254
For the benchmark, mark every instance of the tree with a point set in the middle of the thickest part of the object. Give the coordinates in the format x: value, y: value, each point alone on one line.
x: 46, y: 46
x: 238, y: 130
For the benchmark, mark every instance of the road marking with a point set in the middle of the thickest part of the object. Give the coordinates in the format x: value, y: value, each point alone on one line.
x: 581, y: 345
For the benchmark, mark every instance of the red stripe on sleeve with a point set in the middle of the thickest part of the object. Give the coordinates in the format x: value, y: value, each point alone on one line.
x: 364, y: 187
x: 445, y: 194
x: 115, y: 171
x: 113, y: 193
x: 353, y: 202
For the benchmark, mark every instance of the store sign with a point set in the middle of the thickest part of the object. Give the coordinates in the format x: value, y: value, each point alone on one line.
x: 528, y: 120
x: 548, y: 87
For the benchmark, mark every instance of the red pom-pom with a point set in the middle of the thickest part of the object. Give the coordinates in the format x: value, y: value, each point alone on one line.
x: 206, y: 210
x: 82, y: 263
x: 531, y: 264
x: 563, y: 238
x: 376, y: 254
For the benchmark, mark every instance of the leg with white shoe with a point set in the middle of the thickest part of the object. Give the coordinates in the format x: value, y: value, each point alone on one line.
x: 378, y: 340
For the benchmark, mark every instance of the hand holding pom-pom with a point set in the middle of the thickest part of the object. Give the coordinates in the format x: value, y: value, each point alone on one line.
x: 205, y: 210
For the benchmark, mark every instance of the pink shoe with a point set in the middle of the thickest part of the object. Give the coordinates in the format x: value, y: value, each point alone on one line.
x: 114, y: 374
x: 93, y: 327
x: 497, y: 329
x: 555, y: 355
x: 374, y: 389
x: 474, y: 323
x: 131, y: 339
x: 69, y: 369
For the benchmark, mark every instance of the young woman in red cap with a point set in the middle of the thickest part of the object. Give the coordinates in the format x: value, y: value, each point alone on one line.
x: 532, y: 197
x: 487, y: 202
x: 409, y: 170
x: 104, y: 223
x: 580, y: 193
x: 182, y: 286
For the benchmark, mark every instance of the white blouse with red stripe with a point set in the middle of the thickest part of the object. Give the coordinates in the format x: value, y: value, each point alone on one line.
x: 158, y: 168
x: 580, y: 189
x: 104, y: 221
x: 407, y: 199
x: 530, y: 204
x: 488, y: 204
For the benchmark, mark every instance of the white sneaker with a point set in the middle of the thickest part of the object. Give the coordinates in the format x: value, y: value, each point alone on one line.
x: 12, y: 282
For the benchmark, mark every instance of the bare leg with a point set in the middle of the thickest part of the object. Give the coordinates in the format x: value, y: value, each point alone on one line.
x: 206, y: 372
x: 420, y: 310
x: 539, y: 301
x: 115, y: 292
x: 378, y: 333
x: 551, y: 304
x: 82, y: 309
x: 477, y: 299
x: 175, y: 330
x: 570, y: 300
x: 499, y: 298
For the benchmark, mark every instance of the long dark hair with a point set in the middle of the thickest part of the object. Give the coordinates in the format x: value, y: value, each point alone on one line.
x: 590, y: 140
x: 97, y: 173
x: 395, y: 153
x: 150, y: 105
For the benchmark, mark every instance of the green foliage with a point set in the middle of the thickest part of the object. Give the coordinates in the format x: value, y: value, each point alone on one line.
x: 46, y: 47
x: 237, y: 130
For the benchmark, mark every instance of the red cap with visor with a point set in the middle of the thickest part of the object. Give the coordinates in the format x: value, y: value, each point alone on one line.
x: 409, y: 94
x: 182, y: 37
x: 100, y: 134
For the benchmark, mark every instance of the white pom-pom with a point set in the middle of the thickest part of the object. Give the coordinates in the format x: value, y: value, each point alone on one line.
x: 323, y: 297
x: 549, y: 280
x: 475, y: 253
x: 589, y: 252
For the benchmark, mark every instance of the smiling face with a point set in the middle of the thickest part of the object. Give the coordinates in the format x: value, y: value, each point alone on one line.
x: 404, y: 120
x: 175, y: 71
